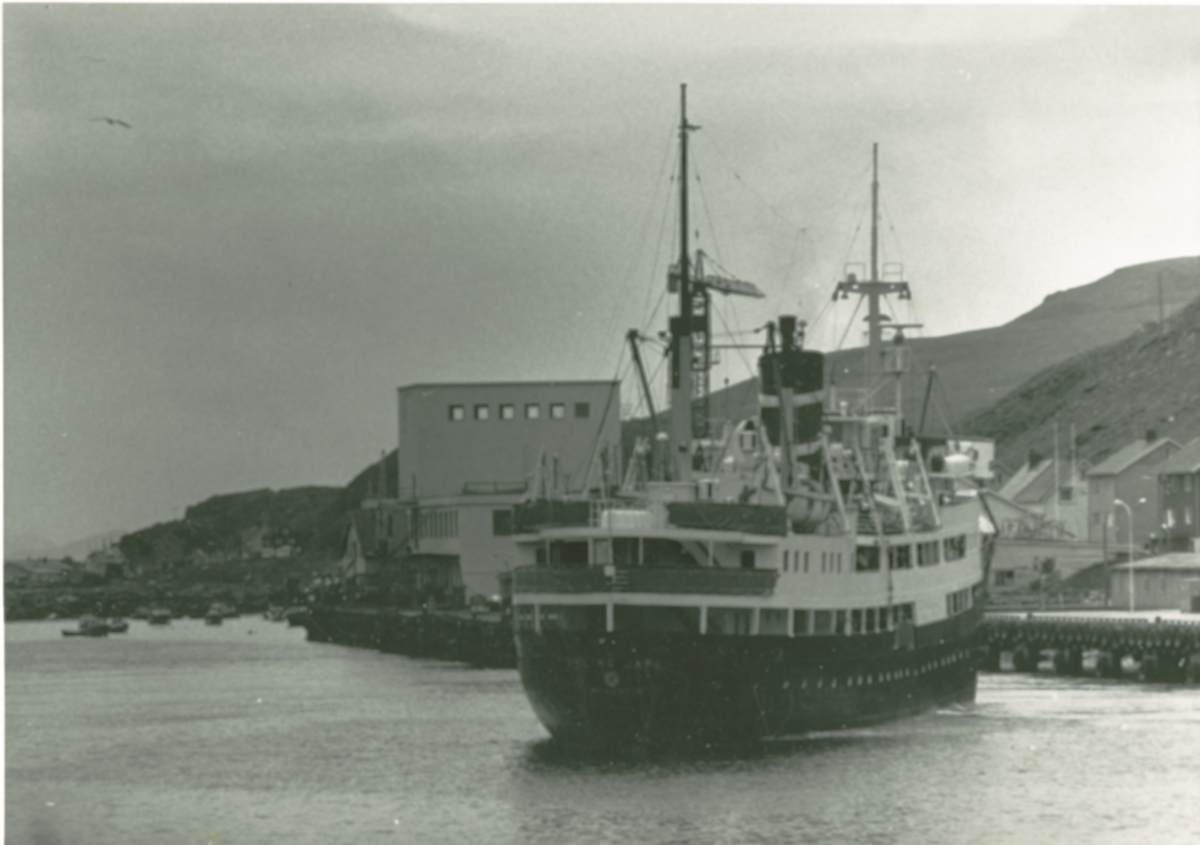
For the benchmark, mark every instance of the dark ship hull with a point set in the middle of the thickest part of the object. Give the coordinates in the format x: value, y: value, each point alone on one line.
x: 653, y: 691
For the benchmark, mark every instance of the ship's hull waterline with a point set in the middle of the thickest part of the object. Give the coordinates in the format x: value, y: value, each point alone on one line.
x: 639, y: 690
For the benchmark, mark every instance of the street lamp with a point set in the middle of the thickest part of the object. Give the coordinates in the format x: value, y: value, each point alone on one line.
x: 1129, y: 513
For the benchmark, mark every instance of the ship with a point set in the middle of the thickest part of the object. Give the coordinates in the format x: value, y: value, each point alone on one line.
x: 809, y: 568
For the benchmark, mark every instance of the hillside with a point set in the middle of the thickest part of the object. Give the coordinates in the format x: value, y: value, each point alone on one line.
x: 306, y: 517
x: 976, y: 368
x: 1114, y: 394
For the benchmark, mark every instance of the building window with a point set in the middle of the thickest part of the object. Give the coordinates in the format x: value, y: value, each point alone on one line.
x: 748, y: 559
x: 502, y: 523
x: 1005, y: 577
x: 507, y: 412
x: 928, y: 553
x: 457, y: 414
x: 481, y: 412
x: 1187, y: 484
x: 557, y: 410
x: 1066, y: 494
x: 582, y: 410
x: 532, y: 412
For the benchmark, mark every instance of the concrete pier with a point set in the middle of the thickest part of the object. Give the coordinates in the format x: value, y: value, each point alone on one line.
x: 1161, y: 646
x: 483, y: 639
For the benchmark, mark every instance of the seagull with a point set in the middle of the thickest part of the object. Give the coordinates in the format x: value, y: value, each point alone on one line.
x: 113, y: 121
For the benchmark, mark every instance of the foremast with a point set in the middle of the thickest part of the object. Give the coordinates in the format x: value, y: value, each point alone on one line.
x: 682, y: 328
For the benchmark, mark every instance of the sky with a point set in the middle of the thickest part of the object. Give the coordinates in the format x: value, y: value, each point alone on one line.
x: 313, y: 205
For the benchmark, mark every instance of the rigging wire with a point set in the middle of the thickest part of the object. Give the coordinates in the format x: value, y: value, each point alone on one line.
x: 746, y: 184
x: 850, y: 324
x: 712, y: 229
x: 631, y: 268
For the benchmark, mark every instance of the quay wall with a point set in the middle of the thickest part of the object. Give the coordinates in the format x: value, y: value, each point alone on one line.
x: 1163, y: 648
x: 483, y: 640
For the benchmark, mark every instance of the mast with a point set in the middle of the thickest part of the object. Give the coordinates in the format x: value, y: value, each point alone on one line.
x: 874, y: 289
x: 681, y: 326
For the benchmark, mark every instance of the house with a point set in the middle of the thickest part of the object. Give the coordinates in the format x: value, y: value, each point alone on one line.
x: 1179, y: 499
x: 1129, y: 475
x: 1162, y: 582
x: 1055, y: 493
x: 469, y: 452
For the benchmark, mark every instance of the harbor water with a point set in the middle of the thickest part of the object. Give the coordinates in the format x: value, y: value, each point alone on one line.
x: 247, y: 733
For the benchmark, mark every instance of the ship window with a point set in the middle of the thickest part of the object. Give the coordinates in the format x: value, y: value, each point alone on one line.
x: 799, y: 622
x: 589, y: 618
x: 900, y: 557
x: 856, y: 621
x: 866, y: 559
x: 507, y: 412
x: 823, y: 622
x: 482, y: 412
x: 666, y: 554
x: 748, y: 559
x: 956, y: 547
x: 457, y: 413
x: 557, y: 410
x: 582, y: 410
x: 625, y: 551
x: 772, y: 622
x: 839, y: 625
x: 602, y: 551
x: 927, y: 553
x: 533, y: 411
x: 569, y: 553
x: 502, y: 522
x: 729, y: 621
x: 663, y: 620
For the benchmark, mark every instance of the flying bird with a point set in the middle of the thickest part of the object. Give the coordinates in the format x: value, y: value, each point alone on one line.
x: 113, y: 121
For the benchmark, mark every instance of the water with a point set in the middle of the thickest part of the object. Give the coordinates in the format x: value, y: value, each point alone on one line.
x: 246, y: 733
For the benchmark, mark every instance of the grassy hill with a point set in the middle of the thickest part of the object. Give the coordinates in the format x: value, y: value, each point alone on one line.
x: 1112, y: 395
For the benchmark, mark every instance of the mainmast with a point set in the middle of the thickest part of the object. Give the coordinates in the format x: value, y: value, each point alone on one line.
x: 874, y: 289
x: 681, y: 326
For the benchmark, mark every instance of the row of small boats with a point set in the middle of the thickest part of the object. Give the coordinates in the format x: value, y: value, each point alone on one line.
x: 94, y: 626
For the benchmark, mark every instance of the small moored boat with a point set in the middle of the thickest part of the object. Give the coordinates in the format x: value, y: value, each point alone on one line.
x: 89, y: 626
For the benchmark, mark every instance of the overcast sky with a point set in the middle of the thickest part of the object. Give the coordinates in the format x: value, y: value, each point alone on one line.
x: 314, y: 205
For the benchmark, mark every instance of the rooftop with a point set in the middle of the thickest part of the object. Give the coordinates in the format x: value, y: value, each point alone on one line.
x: 1128, y: 455
x: 1175, y: 561
x: 1186, y: 460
